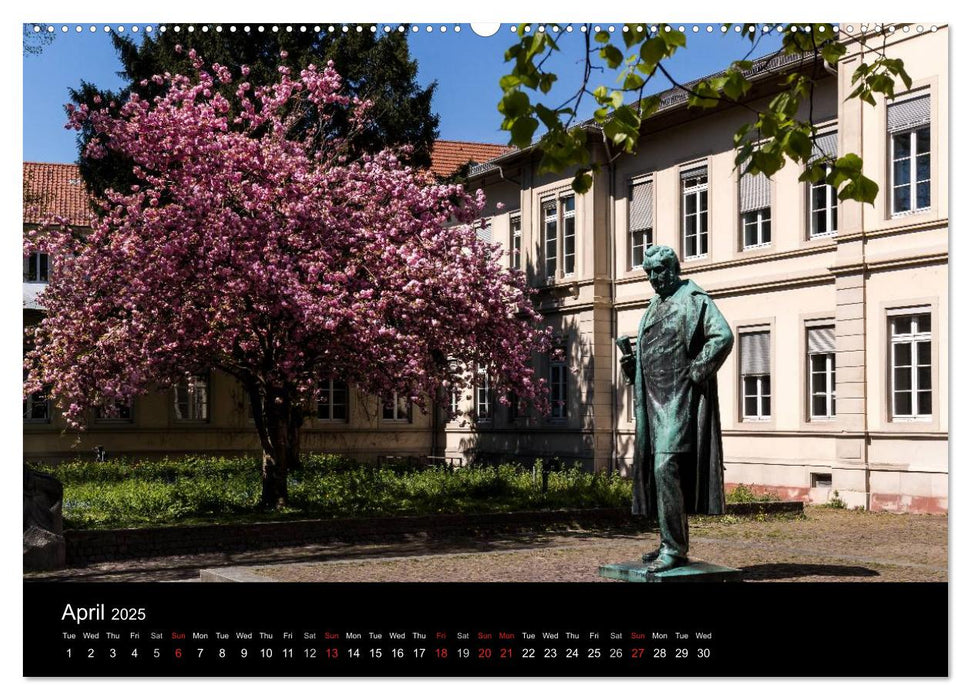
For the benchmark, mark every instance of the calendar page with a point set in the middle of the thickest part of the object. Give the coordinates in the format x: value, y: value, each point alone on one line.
x: 458, y: 350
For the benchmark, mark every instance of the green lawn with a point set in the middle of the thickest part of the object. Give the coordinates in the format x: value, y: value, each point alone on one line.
x: 121, y: 493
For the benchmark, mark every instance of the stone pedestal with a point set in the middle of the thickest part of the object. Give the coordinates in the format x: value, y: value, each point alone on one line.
x: 693, y: 571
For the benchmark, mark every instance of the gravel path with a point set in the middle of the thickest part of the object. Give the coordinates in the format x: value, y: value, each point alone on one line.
x: 826, y: 545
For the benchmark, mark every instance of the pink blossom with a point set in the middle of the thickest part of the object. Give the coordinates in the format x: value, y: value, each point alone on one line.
x: 275, y: 260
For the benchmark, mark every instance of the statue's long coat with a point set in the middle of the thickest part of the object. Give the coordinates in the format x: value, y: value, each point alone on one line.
x: 709, y: 340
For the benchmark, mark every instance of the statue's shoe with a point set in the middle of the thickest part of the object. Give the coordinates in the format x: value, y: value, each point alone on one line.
x: 651, y: 556
x: 666, y: 562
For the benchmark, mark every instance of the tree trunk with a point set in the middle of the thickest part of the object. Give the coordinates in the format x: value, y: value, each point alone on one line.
x: 278, y: 420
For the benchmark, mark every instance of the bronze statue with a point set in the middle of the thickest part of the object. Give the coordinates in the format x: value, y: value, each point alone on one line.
x: 682, y: 341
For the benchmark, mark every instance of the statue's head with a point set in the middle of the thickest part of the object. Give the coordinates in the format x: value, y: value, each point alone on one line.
x: 663, y: 268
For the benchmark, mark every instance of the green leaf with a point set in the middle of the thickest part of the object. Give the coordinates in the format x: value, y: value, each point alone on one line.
x: 612, y: 55
x: 859, y: 189
x: 582, y: 182
x: 632, y: 35
x: 850, y: 161
x: 514, y: 104
x: 832, y: 52
x: 521, y: 133
x: 507, y: 82
x: 602, y: 37
x: 632, y: 81
x: 799, y: 144
x: 549, y: 118
x: 652, y: 51
x: 673, y: 39
x: 546, y: 81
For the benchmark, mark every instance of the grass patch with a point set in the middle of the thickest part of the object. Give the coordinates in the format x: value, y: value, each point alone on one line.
x: 745, y: 494
x: 193, y: 490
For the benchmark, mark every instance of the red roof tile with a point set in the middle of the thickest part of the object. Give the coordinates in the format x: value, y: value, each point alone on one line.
x: 55, y: 189
x: 449, y: 156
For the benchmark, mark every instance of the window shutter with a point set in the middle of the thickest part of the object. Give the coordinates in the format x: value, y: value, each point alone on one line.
x: 826, y: 145
x: 485, y: 234
x: 755, y: 353
x: 691, y: 173
x: 642, y: 206
x: 822, y: 339
x: 908, y: 114
x: 754, y: 192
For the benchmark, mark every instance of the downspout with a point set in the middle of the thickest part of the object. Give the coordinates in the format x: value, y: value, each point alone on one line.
x: 611, y: 271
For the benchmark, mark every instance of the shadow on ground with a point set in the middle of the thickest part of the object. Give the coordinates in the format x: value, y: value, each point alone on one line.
x: 184, y: 567
x: 770, y: 572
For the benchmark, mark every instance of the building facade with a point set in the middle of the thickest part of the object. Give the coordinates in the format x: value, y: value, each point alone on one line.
x: 838, y: 381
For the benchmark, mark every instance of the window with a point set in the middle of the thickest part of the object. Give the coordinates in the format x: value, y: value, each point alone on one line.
x: 910, y: 374
x: 514, y: 410
x: 485, y: 233
x: 483, y: 396
x: 36, y: 268
x: 191, y: 399
x: 756, y: 381
x: 755, y: 207
x: 908, y: 122
x: 516, y: 245
x: 559, y: 227
x: 640, y: 217
x: 821, y: 350
x: 823, y: 203
x: 455, y: 396
x: 37, y: 409
x: 397, y: 408
x: 116, y: 412
x: 694, y: 207
x: 332, y: 401
x: 558, y: 386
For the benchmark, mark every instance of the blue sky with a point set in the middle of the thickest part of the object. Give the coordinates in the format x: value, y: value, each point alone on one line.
x: 467, y: 68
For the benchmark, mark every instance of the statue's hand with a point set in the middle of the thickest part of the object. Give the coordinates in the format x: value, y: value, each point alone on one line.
x: 696, y: 374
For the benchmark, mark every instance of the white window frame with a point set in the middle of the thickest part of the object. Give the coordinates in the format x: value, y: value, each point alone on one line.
x: 400, y: 409
x: 829, y: 371
x: 568, y: 224
x: 329, y: 389
x: 638, y: 239
x: 762, y: 392
x: 516, y: 241
x: 831, y: 207
x: 559, y: 396
x: 761, y: 219
x: 548, y: 211
x: 483, y: 396
x: 912, y: 338
x: 761, y: 382
x: 556, y: 220
x: 38, y: 258
x: 195, y: 404
x: 912, y: 181
x: 695, y: 191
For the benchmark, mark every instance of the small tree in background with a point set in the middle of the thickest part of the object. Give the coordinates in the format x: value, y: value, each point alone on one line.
x: 249, y: 245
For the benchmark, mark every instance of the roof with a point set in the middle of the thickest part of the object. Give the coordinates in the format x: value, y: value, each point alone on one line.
x: 55, y: 188
x: 449, y: 156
